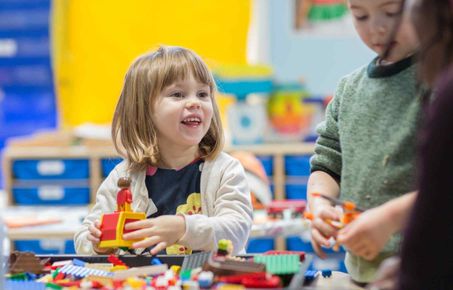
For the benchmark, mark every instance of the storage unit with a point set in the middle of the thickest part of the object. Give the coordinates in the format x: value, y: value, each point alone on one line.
x: 27, y: 98
x: 60, y: 160
x: 37, y: 173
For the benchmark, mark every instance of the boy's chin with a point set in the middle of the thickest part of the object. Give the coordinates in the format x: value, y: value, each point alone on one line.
x: 394, y: 56
x: 391, y: 59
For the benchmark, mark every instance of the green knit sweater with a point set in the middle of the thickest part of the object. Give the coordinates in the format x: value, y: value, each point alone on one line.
x: 368, y: 140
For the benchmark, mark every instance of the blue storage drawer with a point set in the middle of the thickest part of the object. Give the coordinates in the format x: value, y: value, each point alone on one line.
x: 297, y: 244
x: 16, y: 20
x: 51, y: 169
x: 260, y: 245
x: 108, y: 164
x: 33, y: 107
x: 51, y: 195
x: 27, y: 47
x: 268, y: 164
x: 296, y: 191
x: 297, y: 165
x: 46, y: 246
x: 26, y: 75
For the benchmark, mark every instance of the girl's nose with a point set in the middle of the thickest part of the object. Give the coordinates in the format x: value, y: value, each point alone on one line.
x: 192, y: 104
x: 380, y: 27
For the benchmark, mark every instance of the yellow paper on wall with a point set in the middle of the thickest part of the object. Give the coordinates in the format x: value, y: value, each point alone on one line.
x: 94, y: 42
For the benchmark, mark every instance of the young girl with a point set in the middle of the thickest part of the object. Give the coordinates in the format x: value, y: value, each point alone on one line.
x: 167, y: 126
x: 366, y: 147
x: 430, y: 231
x: 425, y: 261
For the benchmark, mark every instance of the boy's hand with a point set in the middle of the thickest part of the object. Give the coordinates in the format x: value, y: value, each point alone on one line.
x: 322, y: 229
x: 368, y: 233
x: 94, y: 236
x: 160, y: 232
x: 387, y: 275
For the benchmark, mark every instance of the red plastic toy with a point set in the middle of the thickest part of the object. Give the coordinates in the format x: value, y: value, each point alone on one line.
x: 276, y: 207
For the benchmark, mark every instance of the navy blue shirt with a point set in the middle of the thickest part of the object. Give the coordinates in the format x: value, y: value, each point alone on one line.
x: 170, y: 188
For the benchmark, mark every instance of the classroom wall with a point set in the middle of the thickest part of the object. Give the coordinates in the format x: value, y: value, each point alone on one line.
x: 95, y: 41
x: 320, y: 59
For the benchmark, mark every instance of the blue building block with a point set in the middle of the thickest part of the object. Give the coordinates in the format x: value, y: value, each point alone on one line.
x: 77, y: 262
x: 326, y: 273
x: 31, y: 276
x: 155, y: 261
x: 310, y: 275
x: 20, y: 285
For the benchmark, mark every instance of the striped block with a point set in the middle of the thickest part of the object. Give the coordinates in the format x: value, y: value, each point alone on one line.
x: 82, y: 272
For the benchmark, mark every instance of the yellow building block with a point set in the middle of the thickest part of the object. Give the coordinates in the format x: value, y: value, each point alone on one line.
x: 112, y: 227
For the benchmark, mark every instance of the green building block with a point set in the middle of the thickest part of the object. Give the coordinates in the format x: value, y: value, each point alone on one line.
x: 279, y: 264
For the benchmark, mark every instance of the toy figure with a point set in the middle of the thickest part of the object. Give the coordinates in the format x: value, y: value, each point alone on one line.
x: 225, y: 248
x: 124, y: 197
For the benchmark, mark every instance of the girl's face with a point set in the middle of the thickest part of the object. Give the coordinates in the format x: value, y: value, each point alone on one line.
x: 433, y: 23
x: 182, y: 114
x: 375, y: 21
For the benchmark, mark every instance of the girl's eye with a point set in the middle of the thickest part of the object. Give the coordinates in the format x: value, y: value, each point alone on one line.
x: 177, y: 95
x: 203, y: 95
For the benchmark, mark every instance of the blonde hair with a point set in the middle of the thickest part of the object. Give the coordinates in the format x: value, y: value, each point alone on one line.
x: 133, y: 131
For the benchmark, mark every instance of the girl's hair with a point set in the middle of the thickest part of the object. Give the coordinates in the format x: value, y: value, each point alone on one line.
x: 434, y: 24
x: 133, y: 131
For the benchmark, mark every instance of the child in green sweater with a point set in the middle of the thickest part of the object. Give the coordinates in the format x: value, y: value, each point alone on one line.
x: 366, y: 146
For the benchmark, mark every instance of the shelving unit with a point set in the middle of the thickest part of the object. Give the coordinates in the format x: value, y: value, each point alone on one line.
x: 61, y: 147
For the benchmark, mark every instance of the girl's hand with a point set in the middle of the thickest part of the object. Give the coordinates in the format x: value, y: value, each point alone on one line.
x: 368, y: 233
x: 160, y: 232
x: 321, y: 228
x: 94, y: 236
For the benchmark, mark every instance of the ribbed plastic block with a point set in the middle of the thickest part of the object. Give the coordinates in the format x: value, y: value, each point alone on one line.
x: 279, y: 264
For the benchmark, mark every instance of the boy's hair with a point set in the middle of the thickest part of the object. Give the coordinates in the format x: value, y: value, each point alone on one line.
x: 434, y: 24
x: 133, y: 132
